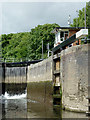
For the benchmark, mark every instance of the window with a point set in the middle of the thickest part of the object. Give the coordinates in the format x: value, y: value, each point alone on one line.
x: 63, y: 35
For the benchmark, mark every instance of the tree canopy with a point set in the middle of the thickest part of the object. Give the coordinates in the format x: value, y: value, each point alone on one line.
x: 28, y: 45
x: 80, y: 20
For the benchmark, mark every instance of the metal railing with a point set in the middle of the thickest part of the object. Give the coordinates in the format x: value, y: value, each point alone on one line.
x: 10, y: 63
x: 12, y: 60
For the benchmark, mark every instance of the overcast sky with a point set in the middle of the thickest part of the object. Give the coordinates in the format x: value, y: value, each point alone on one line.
x: 23, y: 16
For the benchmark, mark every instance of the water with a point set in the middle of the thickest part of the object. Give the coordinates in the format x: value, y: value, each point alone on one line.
x: 16, y: 106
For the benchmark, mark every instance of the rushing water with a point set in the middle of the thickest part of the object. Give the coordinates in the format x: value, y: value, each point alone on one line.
x: 15, y: 106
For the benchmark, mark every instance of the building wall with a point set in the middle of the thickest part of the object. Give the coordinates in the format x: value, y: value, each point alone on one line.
x: 72, y: 32
x: 74, y: 77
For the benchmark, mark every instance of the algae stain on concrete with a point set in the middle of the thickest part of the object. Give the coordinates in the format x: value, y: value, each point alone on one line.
x: 40, y: 91
x: 40, y: 99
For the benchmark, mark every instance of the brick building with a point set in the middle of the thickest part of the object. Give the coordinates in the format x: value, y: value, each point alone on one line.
x: 63, y: 33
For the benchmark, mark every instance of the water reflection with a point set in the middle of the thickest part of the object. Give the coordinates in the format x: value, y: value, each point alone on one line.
x: 42, y: 110
x: 16, y: 107
x: 67, y: 114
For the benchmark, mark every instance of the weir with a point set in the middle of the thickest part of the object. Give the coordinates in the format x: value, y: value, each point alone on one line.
x: 14, y: 76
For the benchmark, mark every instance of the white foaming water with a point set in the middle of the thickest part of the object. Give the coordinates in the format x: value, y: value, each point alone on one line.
x: 33, y: 101
x: 19, y: 96
x: 7, y: 96
x: 1, y: 97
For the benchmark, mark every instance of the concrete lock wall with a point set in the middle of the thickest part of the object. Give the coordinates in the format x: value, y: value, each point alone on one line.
x: 15, y: 75
x: 41, y: 71
x: 39, y: 82
x: 74, y: 77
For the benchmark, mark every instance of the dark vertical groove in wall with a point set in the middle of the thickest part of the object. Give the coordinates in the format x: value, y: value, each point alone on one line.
x: 88, y: 72
x: 89, y: 55
x: 0, y: 89
x: 3, y: 78
x: 3, y: 72
x: 45, y: 94
x: 89, y: 19
x: 26, y: 75
x: 0, y: 79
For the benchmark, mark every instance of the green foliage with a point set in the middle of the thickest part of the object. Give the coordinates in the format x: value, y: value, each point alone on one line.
x: 14, y: 46
x: 39, y: 34
x: 28, y: 45
x: 80, y: 20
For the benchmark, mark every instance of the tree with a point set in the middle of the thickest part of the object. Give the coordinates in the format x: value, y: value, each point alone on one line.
x: 80, y: 20
x: 28, y: 44
x: 37, y: 35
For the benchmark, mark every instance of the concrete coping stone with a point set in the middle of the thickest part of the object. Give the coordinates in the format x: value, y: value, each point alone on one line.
x: 41, y: 63
x: 85, y: 47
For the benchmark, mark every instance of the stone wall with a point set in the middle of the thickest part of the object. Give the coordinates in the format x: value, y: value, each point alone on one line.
x: 74, y: 77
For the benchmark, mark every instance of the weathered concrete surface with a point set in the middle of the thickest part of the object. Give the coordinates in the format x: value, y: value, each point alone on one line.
x: 74, y: 77
x: 40, y: 100
x: 39, y: 87
x: 40, y: 92
x: 15, y: 75
x: 41, y: 71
